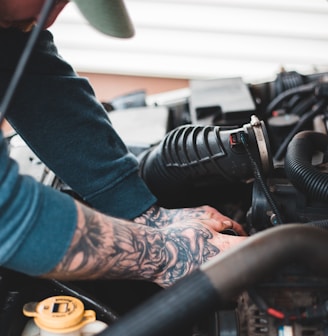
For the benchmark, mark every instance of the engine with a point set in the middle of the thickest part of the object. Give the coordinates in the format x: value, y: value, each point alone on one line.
x: 267, y: 172
x: 257, y: 153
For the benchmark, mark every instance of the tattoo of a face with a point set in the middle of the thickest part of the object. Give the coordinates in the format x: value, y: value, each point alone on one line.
x: 108, y: 248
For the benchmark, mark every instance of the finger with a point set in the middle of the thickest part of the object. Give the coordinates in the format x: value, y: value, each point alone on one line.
x: 225, y: 223
x: 232, y: 225
x: 229, y: 223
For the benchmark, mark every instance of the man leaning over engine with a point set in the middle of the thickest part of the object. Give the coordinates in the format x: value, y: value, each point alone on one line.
x: 122, y: 233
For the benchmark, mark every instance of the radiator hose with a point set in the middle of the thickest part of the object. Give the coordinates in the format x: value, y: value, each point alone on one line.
x: 299, y: 168
x: 225, y: 276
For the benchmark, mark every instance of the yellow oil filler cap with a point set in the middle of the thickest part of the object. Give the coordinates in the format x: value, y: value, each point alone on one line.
x: 59, y: 314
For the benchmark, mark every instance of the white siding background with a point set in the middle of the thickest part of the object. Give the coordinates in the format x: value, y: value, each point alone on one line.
x: 198, y: 39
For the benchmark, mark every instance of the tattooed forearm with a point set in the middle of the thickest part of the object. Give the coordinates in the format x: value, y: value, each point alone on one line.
x: 106, y: 247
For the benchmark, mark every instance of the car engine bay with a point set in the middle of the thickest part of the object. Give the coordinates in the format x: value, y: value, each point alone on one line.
x: 258, y: 154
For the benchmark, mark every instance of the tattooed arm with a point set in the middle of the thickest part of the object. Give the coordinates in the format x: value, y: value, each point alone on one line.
x: 104, y: 247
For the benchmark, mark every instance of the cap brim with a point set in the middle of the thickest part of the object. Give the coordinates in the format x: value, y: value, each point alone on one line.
x: 108, y: 16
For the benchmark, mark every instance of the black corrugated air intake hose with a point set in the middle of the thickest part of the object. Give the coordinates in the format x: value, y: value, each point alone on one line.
x: 192, y: 157
x: 225, y: 276
x: 299, y: 168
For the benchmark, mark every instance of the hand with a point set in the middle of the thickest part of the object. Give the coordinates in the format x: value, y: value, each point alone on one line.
x: 105, y: 247
x: 185, y: 247
x: 160, y: 217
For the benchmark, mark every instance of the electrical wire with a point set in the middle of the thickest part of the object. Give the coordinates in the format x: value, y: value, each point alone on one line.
x: 316, y: 109
x: 277, y: 219
x: 303, y: 89
x: 19, y: 71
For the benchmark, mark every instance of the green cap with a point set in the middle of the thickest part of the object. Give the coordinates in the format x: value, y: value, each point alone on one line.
x: 108, y: 16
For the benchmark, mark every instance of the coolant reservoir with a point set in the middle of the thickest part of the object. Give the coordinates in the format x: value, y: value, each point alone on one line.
x: 61, y: 315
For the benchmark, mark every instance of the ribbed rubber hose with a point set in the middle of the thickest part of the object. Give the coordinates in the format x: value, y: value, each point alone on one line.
x: 192, y: 156
x: 298, y: 164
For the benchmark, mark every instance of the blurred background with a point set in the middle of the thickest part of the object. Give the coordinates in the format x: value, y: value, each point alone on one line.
x: 179, y: 40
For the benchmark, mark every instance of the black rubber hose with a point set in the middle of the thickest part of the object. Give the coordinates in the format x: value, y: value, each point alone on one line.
x: 192, y: 156
x: 263, y: 254
x: 225, y: 276
x: 170, y: 312
x: 300, y: 90
x: 298, y: 164
x: 305, y: 118
x: 304, y: 106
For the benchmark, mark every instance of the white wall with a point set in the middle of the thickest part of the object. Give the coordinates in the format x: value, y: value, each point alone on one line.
x: 203, y: 39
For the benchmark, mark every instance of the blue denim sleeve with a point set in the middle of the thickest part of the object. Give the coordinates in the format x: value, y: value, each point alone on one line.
x: 56, y: 112
x: 37, y: 223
